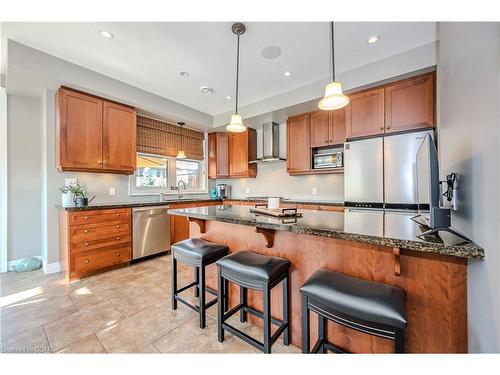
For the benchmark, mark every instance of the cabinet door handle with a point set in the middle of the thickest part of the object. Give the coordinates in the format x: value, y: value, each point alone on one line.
x: 331, y: 140
x: 86, y: 230
x: 388, y: 127
x: 381, y: 128
x: 117, y: 238
x: 117, y: 214
x: 85, y: 217
x: 105, y: 163
x: 99, y: 162
x: 87, y: 261
x: 117, y: 254
x: 86, y: 244
x: 118, y: 226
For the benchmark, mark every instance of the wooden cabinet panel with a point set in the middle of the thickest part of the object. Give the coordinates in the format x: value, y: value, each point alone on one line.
x: 410, y: 104
x: 320, y: 128
x: 242, y: 149
x: 77, y: 245
x: 298, y: 144
x: 86, y: 232
x: 90, y: 262
x: 222, y: 155
x: 179, y: 225
x: 100, y: 216
x: 365, y: 113
x: 119, y: 137
x: 337, y: 126
x: 212, y: 155
x: 79, y: 131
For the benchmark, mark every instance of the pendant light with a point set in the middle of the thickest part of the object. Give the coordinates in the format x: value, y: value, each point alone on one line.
x: 236, y: 124
x: 181, y: 154
x: 334, y: 97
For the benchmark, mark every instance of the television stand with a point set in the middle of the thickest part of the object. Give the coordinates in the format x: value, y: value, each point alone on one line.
x: 435, y: 231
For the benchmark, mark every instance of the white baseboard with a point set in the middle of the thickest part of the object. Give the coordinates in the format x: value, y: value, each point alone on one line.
x: 15, y: 262
x: 51, y: 268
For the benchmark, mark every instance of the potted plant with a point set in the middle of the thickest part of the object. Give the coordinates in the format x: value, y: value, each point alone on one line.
x: 77, y: 192
x: 67, y: 196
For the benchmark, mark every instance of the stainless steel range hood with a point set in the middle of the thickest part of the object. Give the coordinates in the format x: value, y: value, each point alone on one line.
x: 270, y: 143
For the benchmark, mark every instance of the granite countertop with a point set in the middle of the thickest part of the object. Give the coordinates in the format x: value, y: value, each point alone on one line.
x: 103, y: 206
x: 293, y: 201
x: 376, y: 228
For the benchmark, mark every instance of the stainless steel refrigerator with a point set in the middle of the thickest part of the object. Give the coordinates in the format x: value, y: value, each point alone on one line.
x: 379, y: 177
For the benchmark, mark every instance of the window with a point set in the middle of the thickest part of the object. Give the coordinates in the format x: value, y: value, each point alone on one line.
x: 158, y: 174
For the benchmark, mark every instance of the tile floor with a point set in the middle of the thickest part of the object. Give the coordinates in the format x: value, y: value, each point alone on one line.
x: 121, y: 311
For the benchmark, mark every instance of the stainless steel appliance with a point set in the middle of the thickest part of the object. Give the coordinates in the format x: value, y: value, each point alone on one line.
x: 269, y: 143
x: 151, y: 231
x: 223, y: 191
x: 380, y: 172
x: 332, y: 159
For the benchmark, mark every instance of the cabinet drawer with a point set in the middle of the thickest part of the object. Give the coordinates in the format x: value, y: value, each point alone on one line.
x: 100, y: 216
x: 100, y: 242
x: 80, y: 233
x: 104, y: 258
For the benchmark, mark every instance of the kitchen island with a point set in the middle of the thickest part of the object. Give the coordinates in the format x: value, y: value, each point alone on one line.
x: 433, y: 273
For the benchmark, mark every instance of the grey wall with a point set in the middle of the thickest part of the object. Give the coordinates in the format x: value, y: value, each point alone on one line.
x: 468, y: 92
x: 24, y: 177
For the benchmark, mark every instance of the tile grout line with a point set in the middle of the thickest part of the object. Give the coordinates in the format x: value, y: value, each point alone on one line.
x: 47, y: 337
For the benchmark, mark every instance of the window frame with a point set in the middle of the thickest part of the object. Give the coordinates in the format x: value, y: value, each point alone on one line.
x: 171, y: 177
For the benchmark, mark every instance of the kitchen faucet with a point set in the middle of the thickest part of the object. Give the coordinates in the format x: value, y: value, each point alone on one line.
x: 179, y: 196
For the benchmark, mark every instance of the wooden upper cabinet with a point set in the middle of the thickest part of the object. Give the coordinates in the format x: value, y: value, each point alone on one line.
x: 337, y: 126
x: 365, y: 113
x: 298, y: 144
x: 119, y: 137
x: 94, y: 135
x: 79, y: 140
x: 242, y: 149
x: 320, y: 128
x: 328, y: 127
x: 218, y: 155
x: 410, y: 104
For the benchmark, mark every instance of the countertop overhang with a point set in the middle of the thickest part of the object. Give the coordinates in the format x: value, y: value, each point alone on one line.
x: 401, y: 233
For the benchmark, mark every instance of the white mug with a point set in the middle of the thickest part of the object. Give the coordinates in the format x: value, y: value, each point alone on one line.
x: 273, y: 202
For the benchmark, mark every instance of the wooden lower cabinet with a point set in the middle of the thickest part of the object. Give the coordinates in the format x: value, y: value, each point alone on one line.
x: 179, y: 225
x: 93, y: 240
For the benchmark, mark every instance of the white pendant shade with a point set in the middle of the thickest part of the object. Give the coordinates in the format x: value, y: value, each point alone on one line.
x: 236, y: 124
x: 334, y: 97
x: 181, y: 155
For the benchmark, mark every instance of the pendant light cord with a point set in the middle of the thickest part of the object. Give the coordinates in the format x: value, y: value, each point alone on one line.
x: 333, y: 51
x: 237, y: 71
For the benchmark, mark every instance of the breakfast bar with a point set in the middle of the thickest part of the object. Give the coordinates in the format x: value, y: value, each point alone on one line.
x: 433, y: 272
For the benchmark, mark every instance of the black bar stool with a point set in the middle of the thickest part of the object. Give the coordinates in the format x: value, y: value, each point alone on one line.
x: 258, y: 272
x: 366, y: 306
x: 199, y: 254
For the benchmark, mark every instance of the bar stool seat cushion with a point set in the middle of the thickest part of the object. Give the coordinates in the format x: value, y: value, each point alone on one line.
x: 199, y: 249
x: 251, y: 266
x: 361, y: 299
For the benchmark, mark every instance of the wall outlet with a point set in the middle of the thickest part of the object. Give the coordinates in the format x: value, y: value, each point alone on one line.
x: 314, y: 191
x: 112, y: 191
x: 247, y: 190
x: 70, y: 181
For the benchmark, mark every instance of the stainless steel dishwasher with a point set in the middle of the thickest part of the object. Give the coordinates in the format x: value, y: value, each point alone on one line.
x: 151, y: 231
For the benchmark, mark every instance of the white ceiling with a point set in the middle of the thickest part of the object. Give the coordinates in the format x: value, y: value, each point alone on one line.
x: 151, y: 55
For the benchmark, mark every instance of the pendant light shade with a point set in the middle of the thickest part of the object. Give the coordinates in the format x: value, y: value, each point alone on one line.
x: 181, y: 154
x: 334, y: 97
x: 236, y: 124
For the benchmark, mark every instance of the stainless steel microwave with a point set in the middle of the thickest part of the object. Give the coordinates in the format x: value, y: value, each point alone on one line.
x: 328, y: 160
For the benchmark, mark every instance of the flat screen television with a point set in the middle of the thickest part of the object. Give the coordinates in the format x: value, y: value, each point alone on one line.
x: 427, y: 170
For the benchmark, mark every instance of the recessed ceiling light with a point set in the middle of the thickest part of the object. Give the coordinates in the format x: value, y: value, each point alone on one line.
x: 229, y: 97
x: 287, y: 74
x: 373, y: 39
x: 270, y: 52
x: 184, y: 74
x: 106, y: 34
x: 206, y: 90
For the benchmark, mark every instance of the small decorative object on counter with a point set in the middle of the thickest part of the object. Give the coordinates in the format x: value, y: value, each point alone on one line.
x: 67, y: 197
x: 213, y: 193
x: 78, y: 193
x: 273, y: 202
